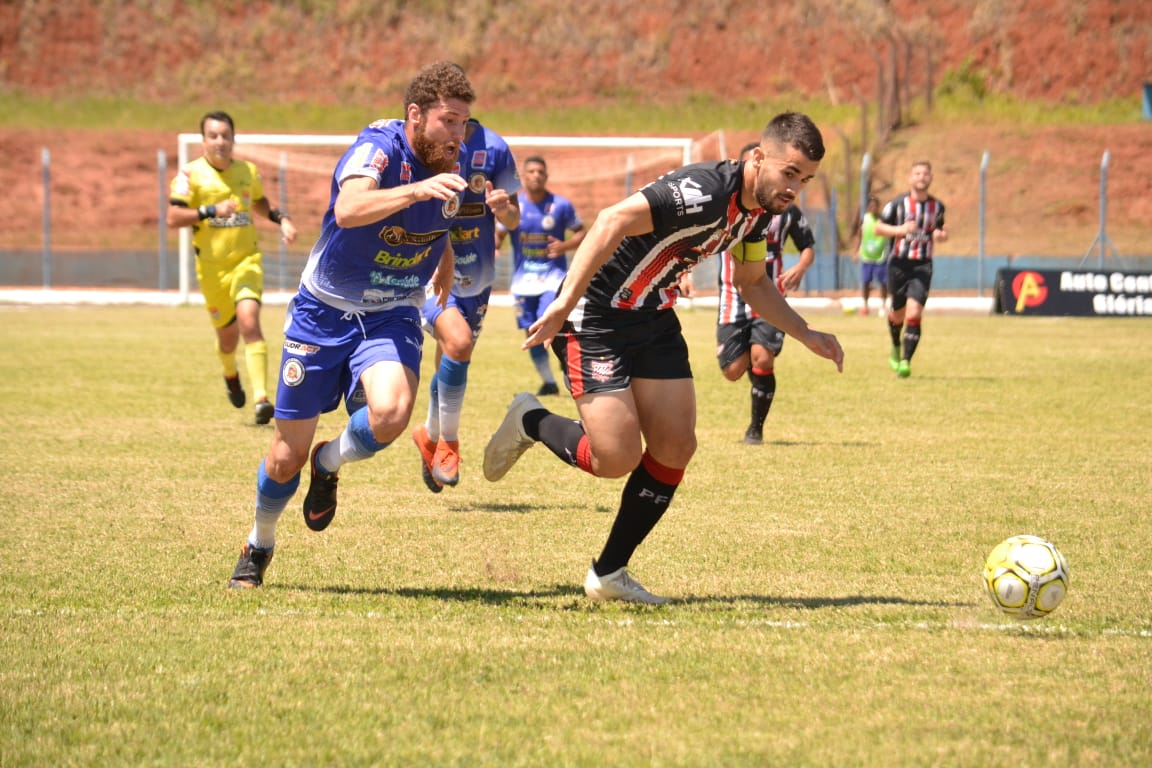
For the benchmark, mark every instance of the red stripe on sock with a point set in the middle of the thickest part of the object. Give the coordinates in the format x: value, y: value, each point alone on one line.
x: 763, y: 371
x: 661, y: 473
x: 584, y: 455
x: 915, y: 323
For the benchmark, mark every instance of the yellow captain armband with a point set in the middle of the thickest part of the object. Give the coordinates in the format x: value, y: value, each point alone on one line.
x: 750, y: 253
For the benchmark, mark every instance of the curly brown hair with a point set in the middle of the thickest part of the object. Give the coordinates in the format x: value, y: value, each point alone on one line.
x: 436, y: 82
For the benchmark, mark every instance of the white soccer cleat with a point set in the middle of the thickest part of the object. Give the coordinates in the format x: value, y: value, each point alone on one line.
x: 509, y: 441
x: 618, y: 585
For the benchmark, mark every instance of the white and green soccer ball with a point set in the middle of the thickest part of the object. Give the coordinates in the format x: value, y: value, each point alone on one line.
x: 1026, y: 576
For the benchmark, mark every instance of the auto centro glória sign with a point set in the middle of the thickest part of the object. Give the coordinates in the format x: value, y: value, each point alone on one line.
x: 1084, y: 293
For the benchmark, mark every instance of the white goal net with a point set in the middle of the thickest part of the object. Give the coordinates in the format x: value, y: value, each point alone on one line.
x: 591, y: 171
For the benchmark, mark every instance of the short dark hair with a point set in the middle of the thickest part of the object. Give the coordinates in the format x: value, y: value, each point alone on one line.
x: 536, y: 159
x: 792, y: 129
x: 438, y: 81
x: 223, y: 117
x: 747, y: 148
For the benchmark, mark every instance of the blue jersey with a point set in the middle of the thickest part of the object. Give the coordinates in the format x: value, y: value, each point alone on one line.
x: 533, y: 273
x: 486, y: 158
x: 387, y: 263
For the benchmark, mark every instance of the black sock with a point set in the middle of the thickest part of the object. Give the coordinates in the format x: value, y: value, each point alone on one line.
x: 560, y: 434
x: 642, y: 503
x: 894, y: 330
x: 763, y: 390
x: 911, y: 338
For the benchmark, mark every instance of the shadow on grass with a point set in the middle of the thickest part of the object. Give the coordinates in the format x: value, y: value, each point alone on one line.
x: 547, y: 596
x: 449, y: 594
x: 814, y: 603
x: 518, y: 508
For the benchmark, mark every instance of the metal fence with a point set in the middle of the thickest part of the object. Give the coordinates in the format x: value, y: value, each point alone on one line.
x: 832, y: 271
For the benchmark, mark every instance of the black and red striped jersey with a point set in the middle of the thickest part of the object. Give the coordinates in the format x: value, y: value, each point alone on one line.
x: 929, y: 215
x: 696, y: 212
x: 788, y: 225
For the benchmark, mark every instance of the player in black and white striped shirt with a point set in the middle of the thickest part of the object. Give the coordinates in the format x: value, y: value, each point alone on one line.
x: 914, y: 222
x: 624, y: 356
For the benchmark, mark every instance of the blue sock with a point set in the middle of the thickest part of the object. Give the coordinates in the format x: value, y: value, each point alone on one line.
x: 355, y: 443
x: 451, y: 381
x: 271, y: 500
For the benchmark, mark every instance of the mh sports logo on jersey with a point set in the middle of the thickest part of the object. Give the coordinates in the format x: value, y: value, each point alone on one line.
x: 687, y: 197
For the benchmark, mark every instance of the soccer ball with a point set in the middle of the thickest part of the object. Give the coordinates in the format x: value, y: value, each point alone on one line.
x: 1026, y: 576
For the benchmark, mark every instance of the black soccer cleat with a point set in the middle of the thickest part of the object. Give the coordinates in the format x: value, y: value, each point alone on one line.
x: 235, y: 391
x: 753, y: 436
x: 249, y: 572
x: 548, y: 388
x: 320, y: 503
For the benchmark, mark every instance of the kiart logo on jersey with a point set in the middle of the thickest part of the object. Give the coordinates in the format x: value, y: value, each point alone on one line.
x: 687, y: 196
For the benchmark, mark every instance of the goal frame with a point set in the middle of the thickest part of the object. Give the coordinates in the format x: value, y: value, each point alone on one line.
x: 186, y: 141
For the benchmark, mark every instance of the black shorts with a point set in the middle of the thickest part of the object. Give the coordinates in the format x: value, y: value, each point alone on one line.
x: 734, y: 339
x: 613, y: 347
x: 909, y: 279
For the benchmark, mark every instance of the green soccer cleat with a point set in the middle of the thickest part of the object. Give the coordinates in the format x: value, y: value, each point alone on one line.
x: 894, y: 357
x: 904, y: 370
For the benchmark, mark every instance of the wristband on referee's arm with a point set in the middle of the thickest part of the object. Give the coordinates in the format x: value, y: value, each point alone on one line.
x: 275, y: 215
x: 206, y: 212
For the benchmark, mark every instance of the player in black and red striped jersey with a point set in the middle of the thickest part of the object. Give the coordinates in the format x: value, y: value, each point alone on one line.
x: 745, y: 342
x: 914, y: 222
x: 620, y: 346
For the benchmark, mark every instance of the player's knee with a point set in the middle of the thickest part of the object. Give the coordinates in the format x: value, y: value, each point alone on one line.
x: 619, y: 461
x: 388, y: 421
x: 285, y: 461
x: 677, y: 453
x: 735, y: 371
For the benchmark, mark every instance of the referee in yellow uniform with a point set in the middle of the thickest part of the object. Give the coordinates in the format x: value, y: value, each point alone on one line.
x: 218, y: 196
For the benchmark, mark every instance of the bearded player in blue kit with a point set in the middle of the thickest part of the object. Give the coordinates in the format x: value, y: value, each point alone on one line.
x: 490, y: 197
x: 353, y: 330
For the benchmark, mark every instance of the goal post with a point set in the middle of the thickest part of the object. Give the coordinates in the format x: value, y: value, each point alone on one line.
x: 592, y: 171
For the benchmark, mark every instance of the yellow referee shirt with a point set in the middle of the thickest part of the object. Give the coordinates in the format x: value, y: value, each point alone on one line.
x: 220, y: 239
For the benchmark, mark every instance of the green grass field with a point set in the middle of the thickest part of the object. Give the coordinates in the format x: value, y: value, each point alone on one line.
x: 829, y: 608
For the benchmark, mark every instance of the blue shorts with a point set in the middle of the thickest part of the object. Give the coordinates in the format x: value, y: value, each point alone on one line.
x: 326, y: 350
x: 529, y: 308
x: 471, y: 308
x: 874, y: 272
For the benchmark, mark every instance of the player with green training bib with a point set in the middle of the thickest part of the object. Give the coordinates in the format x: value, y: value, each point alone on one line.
x: 871, y: 257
